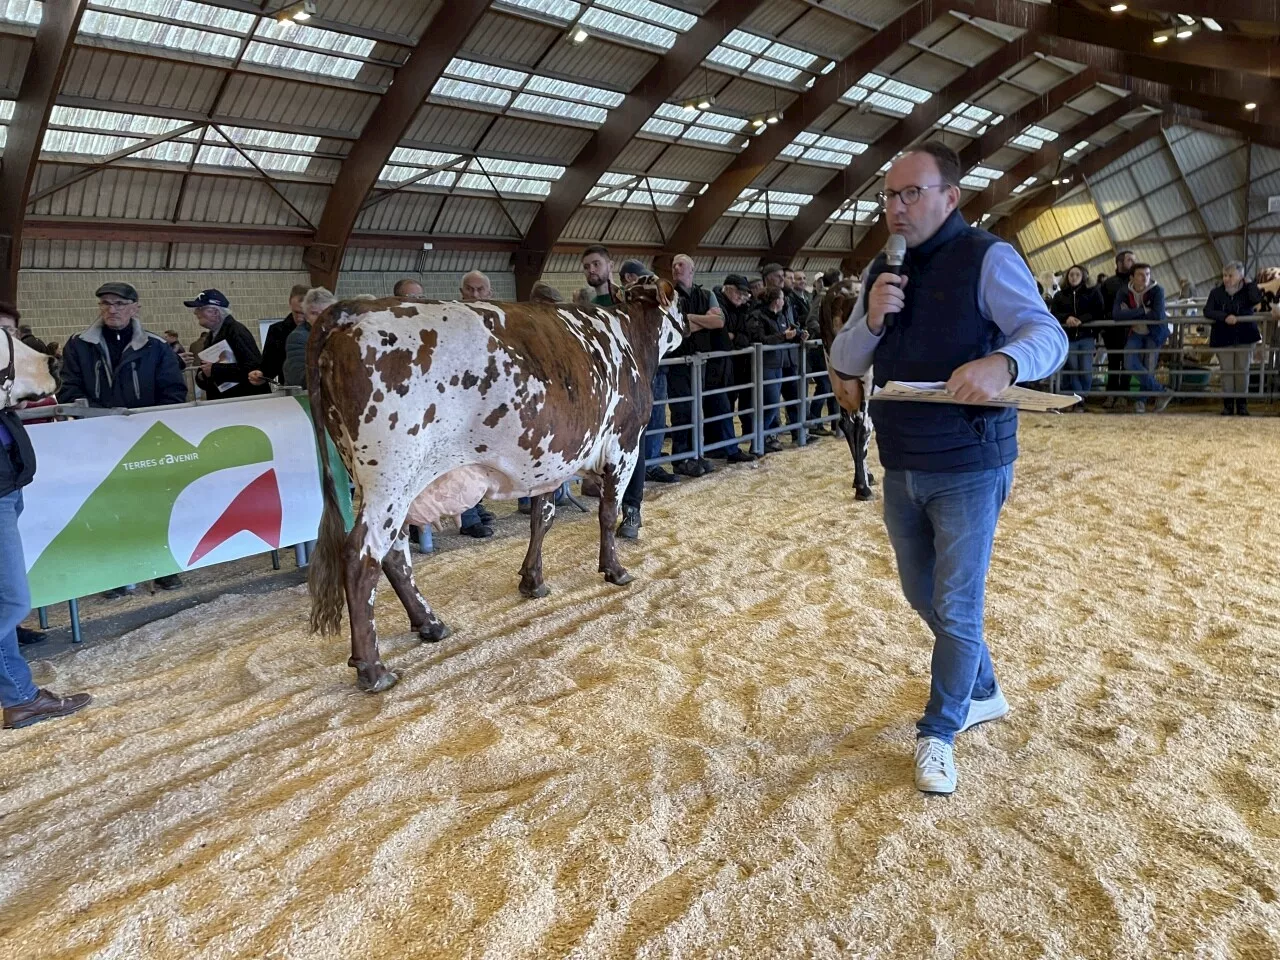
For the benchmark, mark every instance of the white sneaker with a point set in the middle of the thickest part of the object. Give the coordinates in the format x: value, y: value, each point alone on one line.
x: 980, y: 711
x: 935, y: 766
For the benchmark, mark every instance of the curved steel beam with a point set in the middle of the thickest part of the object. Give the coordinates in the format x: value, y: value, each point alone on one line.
x: 41, y: 81
x: 764, y: 147
x: 906, y: 131
x: 624, y: 122
x: 386, y: 127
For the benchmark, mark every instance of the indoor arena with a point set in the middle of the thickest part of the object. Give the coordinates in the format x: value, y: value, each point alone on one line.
x: 639, y: 478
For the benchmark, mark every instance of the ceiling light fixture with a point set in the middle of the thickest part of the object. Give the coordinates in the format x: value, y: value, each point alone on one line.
x: 296, y: 12
x: 773, y: 118
x: 1251, y: 106
x: 1184, y: 32
x: 1119, y: 7
x: 1212, y: 24
x: 579, y: 35
x: 1186, y: 18
x: 1163, y: 36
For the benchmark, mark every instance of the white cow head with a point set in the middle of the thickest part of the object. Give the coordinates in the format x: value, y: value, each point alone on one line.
x: 654, y: 294
x: 24, y: 373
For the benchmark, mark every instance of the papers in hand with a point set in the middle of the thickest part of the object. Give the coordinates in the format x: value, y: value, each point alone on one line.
x: 1018, y: 397
x: 220, y: 352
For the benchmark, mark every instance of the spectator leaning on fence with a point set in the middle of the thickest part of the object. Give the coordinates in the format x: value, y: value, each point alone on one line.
x: 1142, y: 305
x: 1075, y: 305
x: 229, y: 377
x: 655, y: 438
x: 768, y: 324
x: 775, y: 276
x: 116, y: 363
x: 734, y: 297
x: 277, y: 336
x: 1114, y: 337
x: 1232, y: 335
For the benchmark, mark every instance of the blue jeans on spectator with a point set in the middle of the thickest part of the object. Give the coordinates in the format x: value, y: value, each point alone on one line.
x: 1144, y: 363
x: 471, y: 518
x: 1077, y: 371
x: 658, y: 418
x: 772, y: 395
x: 16, y: 685
x: 942, y: 526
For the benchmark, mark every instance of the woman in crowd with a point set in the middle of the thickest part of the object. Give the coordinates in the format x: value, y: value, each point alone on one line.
x: 1075, y: 305
x: 1232, y: 335
x: 767, y: 324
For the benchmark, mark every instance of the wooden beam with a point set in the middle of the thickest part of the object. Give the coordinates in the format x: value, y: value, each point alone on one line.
x: 910, y: 128
x: 762, y: 148
x: 624, y: 122
x: 41, y: 81
x: 386, y: 127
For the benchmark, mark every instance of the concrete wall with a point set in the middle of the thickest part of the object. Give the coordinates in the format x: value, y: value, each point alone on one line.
x: 60, y: 303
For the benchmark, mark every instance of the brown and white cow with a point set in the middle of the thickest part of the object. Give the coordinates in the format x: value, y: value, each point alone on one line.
x: 852, y: 395
x: 25, y: 374
x: 434, y: 406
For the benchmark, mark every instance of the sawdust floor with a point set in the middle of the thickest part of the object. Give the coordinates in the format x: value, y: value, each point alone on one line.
x: 714, y: 761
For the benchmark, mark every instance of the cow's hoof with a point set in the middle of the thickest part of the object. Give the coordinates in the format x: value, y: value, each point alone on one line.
x: 864, y: 494
x: 535, y: 593
x: 618, y: 579
x: 376, y: 679
x: 434, y: 632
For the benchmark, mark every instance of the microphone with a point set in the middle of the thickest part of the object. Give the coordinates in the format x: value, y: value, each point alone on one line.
x: 895, y: 251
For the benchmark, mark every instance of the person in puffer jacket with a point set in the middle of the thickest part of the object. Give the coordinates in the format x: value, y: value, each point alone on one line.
x: 1141, y: 303
x: 116, y: 363
x: 1232, y: 335
x: 1075, y: 305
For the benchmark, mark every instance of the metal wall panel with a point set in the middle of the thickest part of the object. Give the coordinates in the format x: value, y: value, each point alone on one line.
x: 1113, y: 192
x: 1132, y: 221
x: 1168, y: 203
x: 117, y: 192
x: 1153, y: 172
x: 588, y: 223
x: 409, y: 211
x: 1133, y: 156
x: 210, y: 256
x: 92, y: 255
x: 1089, y: 244
x: 633, y: 226
x: 1074, y: 211
x: 1218, y: 177
x: 1224, y: 214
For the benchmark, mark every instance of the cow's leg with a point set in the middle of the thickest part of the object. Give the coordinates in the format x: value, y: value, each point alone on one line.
x: 542, y: 514
x: 399, y: 571
x: 613, y: 571
x: 362, y: 568
x: 862, y: 437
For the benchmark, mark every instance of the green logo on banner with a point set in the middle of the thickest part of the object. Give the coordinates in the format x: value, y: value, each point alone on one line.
x: 121, y: 533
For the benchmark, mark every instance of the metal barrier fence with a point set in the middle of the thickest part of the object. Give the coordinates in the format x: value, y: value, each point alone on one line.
x: 1184, y: 365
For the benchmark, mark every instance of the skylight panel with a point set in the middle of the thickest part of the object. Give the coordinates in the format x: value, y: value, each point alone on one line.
x: 6, y: 110
x: 974, y: 183
x: 792, y: 150
x: 1041, y: 133
x: 104, y: 121
x: 422, y: 158
x: 791, y: 55
x: 272, y: 139
x: 89, y: 144
x: 1027, y: 143
x: 559, y: 108
x: 776, y: 204
x: 21, y: 11
x: 331, y: 40
x: 1075, y: 149
x: 892, y: 104
x: 186, y: 11
x: 746, y: 41
x: 663, y: 128
x: 653, y: 12
x: 486, y: 73
x: 975, y: 113
x: 905, y: 91
x: 303, y: 61
x: 734, y: 59
x: 504, y: 185
x: 611, y: 23
x: 575, y: 91
x: 857, y: 211
x: 153, y: 34
x: 471, y: 92
x: 990, y: 173
x: 721, y: 121
x: 891, y: 96
x: 704, y: 135
x: 564, y: 11
x: 214, y: 156
x: 778, y: 71
x: 844, y: 146
x: 395, y: 174
x: 517, y: 168
x: 1022, y: 187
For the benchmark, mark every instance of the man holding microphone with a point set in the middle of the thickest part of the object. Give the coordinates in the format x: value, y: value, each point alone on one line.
x: 962, y: 309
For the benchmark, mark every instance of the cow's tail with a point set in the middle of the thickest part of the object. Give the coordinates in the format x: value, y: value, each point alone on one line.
x: 324, y: 578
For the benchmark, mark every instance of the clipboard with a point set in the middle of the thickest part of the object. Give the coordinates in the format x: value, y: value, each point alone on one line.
x: 1020, y: 398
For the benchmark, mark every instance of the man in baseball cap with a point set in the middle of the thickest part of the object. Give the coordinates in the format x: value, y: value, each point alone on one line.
x: 228, y: 374
x: 633, y: 270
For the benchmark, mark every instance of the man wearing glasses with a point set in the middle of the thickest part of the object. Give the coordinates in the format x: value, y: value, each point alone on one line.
x: 965, y: 311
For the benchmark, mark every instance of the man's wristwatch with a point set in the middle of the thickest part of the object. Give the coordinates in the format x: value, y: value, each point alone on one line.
x: 1013, y: 368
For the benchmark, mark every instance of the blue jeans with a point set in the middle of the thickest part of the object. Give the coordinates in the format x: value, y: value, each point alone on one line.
x: 471, y: 517
x: 16, y: 685
x: 772, y: 395
x: 1144, y: 363
x: 942, y: 526
x: 1077, y: 372
x: 658, y: 418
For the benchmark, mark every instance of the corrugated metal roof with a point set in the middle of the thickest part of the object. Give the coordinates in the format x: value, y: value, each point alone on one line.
x: 928, y: 71
x: 1167, y: 203
x: 514, y: 138
x: 690, y: 163
x: 1089, y: 244
x: 600, y: 63
x: 633, y: 226
x: 719, y: 230
x: 388, y: 16
x: 1224, y: 214
x: 968, y: 45
x: 747, y: 98
x: 588, y: 223
x: 1093, y: 100
x: 140, y: 81
x: 1131, y: 221
x: 480, y: 217
x: 873, y: 12
x: 254, y: 97
x: 118, y: 193
x: 437, y: 126
x: 818, y: 31
x: 1041, y: 76
x: 801, y: 178
x: 514, y: 40
x: 13, y: 63
x: 408, y: 211
x: 1153, y: 172
x: 862, y: 126
x: 638, y: 155
x: 217, y: 199
x: 750, y: 232
x: 1003, y: 98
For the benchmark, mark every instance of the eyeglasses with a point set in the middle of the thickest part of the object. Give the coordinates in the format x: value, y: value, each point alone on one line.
x: 115, y: 304
x: 908, y: 195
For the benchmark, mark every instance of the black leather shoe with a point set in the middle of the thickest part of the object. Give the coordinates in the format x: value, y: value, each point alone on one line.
x: 629, y: 528
x: 171, y: 582
x: 737, y: 456
x: 658, y: 475
x: 27, y: 637
x: 477, y: 530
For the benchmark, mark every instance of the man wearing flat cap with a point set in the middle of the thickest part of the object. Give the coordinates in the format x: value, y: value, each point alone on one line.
x: 227, y: 376
x: 116, y: 363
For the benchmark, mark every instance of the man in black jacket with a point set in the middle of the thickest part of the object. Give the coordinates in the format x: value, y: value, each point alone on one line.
x: 1113, y: 338
x: 230, y: 376
x: 273, y: 351
x: 24, y: 703
x: 707, y: 325
x: 735, y: 301
x: 116, y: 363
